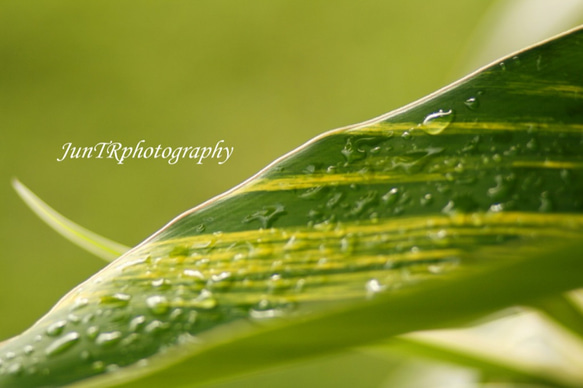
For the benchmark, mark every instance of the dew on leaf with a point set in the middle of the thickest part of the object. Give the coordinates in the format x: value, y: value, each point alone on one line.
x: 437, y: 122
x: 108, y: 339
x: 156, y: 327
x: 56, y: 328
x: 205, y: 300
x: 158, y: 304
x: 391, y: 196
x: 62, y: 344
x: 472, y: 103
x: 266, y: 216
x: 98, y: 366
x: 92, y: 332
x: 130, y: 339
x: 161, y: 283
x: 14, y: 369
x: 117, y: 299
x: 137, y: 322
x: 28, y: 350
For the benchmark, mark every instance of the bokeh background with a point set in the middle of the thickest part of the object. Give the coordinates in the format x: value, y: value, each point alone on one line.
x: 264, y: 76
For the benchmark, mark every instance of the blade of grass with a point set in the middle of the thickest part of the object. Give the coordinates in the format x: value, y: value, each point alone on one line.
x: 98, y: 245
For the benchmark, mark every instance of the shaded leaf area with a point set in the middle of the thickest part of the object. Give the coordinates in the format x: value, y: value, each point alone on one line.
x: 481, y: 169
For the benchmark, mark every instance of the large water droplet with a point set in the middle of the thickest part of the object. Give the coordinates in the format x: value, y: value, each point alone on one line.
x: 436, y: 122
x: 62, y: 344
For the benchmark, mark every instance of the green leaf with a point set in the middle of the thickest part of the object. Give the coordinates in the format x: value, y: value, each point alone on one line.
x: 92, y: 242
x: 427, y: 217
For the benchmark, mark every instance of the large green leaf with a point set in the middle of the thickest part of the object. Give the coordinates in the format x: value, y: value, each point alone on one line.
x: 419, y: 219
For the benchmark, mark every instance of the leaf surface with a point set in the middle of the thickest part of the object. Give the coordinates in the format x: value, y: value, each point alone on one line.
x: 430, y: 216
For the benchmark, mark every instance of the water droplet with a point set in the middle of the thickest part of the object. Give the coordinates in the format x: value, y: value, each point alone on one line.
x: 85, y: 355
x: 130, y: 339
x: 162, y: 283
x: 472, y: 103
x: 427, y: 199
x: 334, y: 200
x: 313, y: 192
x: 28, y: 350
x: 266, y: 309
x: 516, y: 60
x: 175, y: 314
x: 391, y: 196
x: 137, y: 323
x: 117, y: 299
x: 364, y: 202
x: 546, y: 203
x: 98, y: 366
x: 373, y: 286
x: 503, y: 188
x: 266, y: 216
x: 220, y: 277
x: 461, y: 203
x: 31, y: 370
x: 348, y: 244
x: 158, y: 304
x: 79, y: 303
x: 437, y: 122
x: 496, y: 207
x: 62, y: 344
x: 74, y: 319
x: 156, y: 326
x: 192, y: 316
x: 92, y: 332
x: 108, y: 339
x: 180, y: 250
x: 350, y: 152
x: 14, y: 369
x: 532, y: 144
x: 566, y: 176
x: 56, y: 328
x: 205, y: 300
x: 194, y: 274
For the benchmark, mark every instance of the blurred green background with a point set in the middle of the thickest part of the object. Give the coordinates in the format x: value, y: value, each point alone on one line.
x: 264, y: 76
